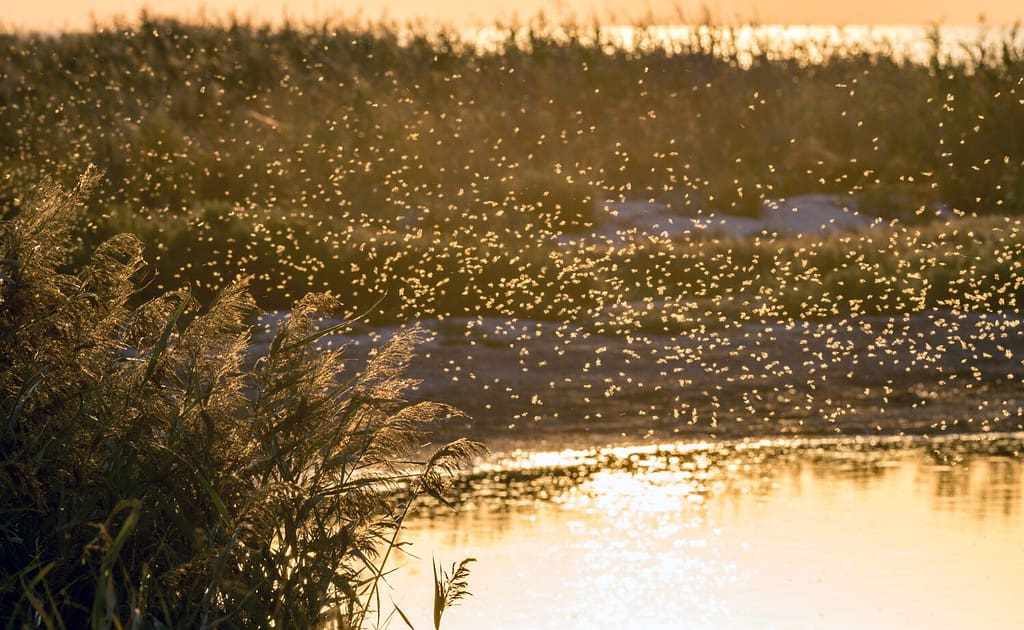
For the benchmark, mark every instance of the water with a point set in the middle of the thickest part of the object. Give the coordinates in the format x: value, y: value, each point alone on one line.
x: 806, y: 43
x: 894, y: 533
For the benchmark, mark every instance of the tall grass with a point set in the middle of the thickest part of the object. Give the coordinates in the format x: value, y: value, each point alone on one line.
x: 154, y: 475
x: 371, y: 119
x: 970, y: 264
x: 417, y: 165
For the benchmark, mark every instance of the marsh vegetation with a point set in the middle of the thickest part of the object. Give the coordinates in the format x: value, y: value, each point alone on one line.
x: 153, y: 476
x: 421, y: 174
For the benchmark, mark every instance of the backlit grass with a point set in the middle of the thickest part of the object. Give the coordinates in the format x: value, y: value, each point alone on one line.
x: 153, y: 476
x: 422, y: 169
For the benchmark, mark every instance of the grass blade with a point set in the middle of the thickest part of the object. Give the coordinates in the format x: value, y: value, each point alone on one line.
x: 165, y: 336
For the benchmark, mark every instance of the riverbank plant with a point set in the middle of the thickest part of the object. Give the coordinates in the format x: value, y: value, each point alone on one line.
x: 154, y: 474
x: 445, y: 174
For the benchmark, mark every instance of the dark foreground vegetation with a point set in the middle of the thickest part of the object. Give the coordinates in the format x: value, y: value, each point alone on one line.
x: 152, y: 476
x: 419, y: 174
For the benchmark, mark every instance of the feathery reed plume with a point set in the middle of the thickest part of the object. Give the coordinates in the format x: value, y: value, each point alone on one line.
x: 153, y: 475
x: 450, y: 587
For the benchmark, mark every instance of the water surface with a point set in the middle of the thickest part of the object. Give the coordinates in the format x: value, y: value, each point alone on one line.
x: 894, y: 533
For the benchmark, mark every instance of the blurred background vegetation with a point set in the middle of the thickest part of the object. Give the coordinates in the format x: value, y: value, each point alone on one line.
x: 419, y: 174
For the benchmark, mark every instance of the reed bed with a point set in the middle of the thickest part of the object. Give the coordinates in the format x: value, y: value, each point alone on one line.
x: 154, y: 475
x: 423, y: 174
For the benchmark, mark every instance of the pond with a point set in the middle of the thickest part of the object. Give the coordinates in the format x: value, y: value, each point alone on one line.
x: 892, y: 532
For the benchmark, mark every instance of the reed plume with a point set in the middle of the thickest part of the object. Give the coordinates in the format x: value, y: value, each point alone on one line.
x: 154, y: 474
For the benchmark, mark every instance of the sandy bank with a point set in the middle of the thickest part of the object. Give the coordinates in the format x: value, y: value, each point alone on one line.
x: 553, y: 386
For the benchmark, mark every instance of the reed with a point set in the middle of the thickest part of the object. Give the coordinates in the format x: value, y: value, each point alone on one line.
x: 155, y: 475
x: 371, y: 160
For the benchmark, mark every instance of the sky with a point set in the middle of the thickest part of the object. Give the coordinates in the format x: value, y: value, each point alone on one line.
x: 49, y: 15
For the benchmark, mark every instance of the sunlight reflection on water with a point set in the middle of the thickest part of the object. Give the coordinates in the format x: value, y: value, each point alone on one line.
x: 894, y: 534
x: 805, y: 43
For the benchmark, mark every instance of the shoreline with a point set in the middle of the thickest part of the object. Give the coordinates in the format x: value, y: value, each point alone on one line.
x: 554, y: 386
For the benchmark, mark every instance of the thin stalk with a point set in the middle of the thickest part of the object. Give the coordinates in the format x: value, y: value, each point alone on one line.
x: 392, y: 544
